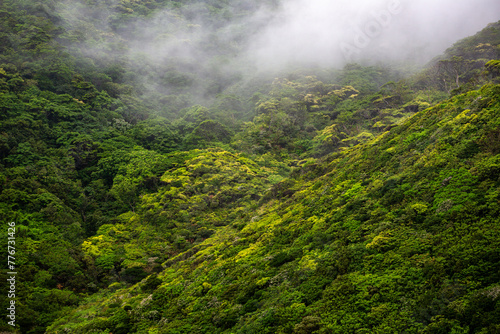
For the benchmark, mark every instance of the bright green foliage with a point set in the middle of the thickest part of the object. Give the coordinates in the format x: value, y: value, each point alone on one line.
x: 168, y: 191
x: 399, y: 234
x: 199, y: 191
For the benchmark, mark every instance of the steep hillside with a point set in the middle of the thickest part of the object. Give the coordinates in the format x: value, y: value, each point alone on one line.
x: 159, y: 183
x: 397, y: 235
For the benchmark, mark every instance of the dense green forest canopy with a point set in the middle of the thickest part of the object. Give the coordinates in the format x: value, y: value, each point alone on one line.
x: 160, y: 186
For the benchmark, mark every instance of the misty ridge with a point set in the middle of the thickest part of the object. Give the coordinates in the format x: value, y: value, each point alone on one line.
x: 251, y: 166
x: 195, y: 48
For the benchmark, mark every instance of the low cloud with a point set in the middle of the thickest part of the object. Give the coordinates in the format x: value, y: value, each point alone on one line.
x: 331, y: 33
x: 203, y: 50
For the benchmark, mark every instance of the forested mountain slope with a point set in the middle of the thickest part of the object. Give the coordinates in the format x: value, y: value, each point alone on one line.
x: 160, y: 186
x: 400, y: 234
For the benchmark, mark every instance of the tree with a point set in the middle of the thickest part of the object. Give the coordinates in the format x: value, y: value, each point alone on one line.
x: 452, y: 71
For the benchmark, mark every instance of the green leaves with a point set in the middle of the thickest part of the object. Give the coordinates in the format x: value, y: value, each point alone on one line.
x: 392, y: 228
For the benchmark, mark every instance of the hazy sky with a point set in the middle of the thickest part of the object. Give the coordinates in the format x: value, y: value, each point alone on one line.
x: 294, y: 33
x: 316, y: 32
x: 331, y: 32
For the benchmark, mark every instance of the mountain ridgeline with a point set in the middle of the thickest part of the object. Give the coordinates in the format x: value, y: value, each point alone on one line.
x: 160, y: 182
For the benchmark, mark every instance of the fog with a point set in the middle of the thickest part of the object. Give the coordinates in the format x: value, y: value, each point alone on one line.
x: 331, y: 33
x: 195, y: 47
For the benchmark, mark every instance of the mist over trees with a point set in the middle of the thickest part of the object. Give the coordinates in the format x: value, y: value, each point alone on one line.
x: 207, y: 47
x: 270, y: 166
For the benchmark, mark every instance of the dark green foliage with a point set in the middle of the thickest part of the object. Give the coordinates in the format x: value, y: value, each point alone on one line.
x: 280, y: 259
x: 178, y: 195
x: 207, y: 133
x: 358, y: 249
x: 134, y: 275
